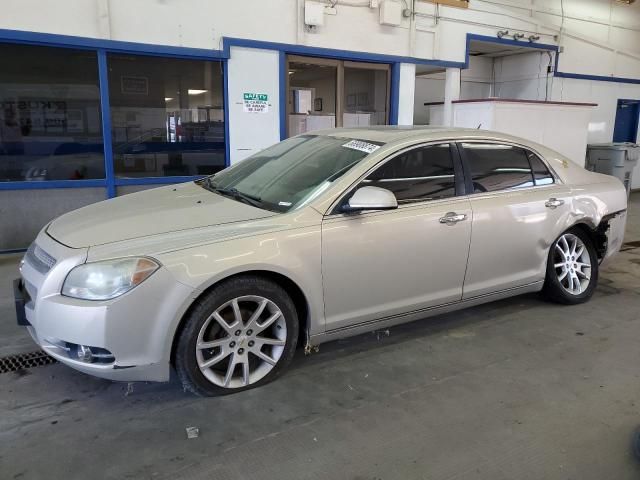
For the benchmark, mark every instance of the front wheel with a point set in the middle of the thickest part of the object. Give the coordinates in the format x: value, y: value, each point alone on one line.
x: 242, y: 334
x: 572, y: 268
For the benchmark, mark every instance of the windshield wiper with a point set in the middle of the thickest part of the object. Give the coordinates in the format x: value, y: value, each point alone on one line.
x: 238, y: 195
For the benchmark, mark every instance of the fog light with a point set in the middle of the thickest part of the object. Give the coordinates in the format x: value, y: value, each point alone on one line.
x: 84, y: 354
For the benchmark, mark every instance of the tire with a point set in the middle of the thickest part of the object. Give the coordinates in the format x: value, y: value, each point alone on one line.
x: 241, y: 347
x: 560, y: 291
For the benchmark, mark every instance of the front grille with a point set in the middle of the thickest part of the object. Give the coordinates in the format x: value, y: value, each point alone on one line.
x: 39, y: 259
x: 22, y: 361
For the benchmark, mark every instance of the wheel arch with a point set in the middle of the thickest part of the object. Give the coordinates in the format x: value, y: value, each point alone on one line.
x: 296, y: 293
x: 597, y: 234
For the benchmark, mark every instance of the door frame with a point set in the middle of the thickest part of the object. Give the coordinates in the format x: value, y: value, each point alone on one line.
x: 340, y: 66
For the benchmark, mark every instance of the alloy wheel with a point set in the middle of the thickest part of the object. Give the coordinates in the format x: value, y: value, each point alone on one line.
x: 572, y: 263
x: 241, y: 341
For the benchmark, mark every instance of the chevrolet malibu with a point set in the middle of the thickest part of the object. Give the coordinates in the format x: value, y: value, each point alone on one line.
x: 319, y: 237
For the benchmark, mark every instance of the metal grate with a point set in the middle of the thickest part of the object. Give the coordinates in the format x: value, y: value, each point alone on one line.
x: 39, y: 259
x: 22, y: 361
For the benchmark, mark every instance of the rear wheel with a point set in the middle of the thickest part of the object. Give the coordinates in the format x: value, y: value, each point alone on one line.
x: 572, y: 268
x: 242, y: 334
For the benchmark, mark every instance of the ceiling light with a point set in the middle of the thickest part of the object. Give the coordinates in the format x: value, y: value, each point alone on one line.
x: 168, y: 99
x: 193, y: 91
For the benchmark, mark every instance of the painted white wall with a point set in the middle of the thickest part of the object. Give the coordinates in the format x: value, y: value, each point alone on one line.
x: 253, y: 71
x: 475, y: 82
x: 407, y: 93
x: 561, y: 127
x: 608, y: 31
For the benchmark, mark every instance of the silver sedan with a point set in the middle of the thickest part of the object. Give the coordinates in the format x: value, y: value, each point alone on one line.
x: 319, y: 237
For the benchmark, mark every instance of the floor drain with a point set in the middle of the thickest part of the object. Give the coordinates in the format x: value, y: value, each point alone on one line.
x: 22, y: 361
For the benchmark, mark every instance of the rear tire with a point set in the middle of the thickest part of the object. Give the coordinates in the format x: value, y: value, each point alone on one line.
x: 240, y: 335
x: 572, y: 268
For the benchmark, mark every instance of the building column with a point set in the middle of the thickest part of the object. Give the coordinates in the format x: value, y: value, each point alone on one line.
x: 406, y: 94
x: 451, y: 93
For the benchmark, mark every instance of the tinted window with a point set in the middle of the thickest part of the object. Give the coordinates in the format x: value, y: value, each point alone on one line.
x: 167, y: 116
x: 291, y: 173
x: 541, y: 173
x: 425, y: 173
x: 497, y: 167
x: 50, y: 125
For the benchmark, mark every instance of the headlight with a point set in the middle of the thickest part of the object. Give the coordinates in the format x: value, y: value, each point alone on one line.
x: 108, y: 279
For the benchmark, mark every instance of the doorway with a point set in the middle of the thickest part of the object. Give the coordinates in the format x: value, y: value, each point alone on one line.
x: 626, y: 126
x: 328, y: 93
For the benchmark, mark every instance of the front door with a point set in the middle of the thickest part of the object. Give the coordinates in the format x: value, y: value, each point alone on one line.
x: 518, y: 211
x: 383, y: 263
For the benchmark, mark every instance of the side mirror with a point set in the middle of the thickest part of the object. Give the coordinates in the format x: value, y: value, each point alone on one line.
x: 371, y: 198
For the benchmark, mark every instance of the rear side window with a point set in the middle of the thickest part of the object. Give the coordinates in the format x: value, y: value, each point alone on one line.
x: 541, y: 173
x: 424, y: 173
x: 497, y: 167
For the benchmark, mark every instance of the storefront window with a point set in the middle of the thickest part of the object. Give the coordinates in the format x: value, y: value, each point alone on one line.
x: 50, y: 124
x: 365, y: 95
x: 167, y: 116
x: 328, y: 93
x: 312, y: 90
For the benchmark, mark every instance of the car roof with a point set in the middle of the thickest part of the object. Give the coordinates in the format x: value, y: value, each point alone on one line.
x: 389, y: 134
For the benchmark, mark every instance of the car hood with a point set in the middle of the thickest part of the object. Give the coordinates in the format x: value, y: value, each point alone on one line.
x: 151, y: 212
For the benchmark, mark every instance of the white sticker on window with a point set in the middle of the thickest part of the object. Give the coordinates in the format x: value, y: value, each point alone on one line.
x: 361, y: 146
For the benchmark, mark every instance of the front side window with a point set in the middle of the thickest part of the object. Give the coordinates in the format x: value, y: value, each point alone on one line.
x: 424, y: 173
x: 50, y: 123
x: 497, y: 167
x: 290, y: 173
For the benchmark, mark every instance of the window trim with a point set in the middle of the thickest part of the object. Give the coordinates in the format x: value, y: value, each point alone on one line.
x: 467, y: 168
x: 457, y: 168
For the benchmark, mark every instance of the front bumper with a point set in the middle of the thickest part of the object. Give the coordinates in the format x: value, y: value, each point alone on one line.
x: 137, y: 328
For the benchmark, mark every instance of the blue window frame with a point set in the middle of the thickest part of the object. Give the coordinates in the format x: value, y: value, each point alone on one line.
x: 72, y: 150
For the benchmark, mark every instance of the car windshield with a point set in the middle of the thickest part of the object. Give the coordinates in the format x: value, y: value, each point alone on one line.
x: 291, y: 173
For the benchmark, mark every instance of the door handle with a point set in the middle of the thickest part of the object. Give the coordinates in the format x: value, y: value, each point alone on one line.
x: 553, y: 203
x: 452, y: 218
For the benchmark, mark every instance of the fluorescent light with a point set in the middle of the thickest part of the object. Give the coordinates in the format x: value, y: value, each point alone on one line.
x: 168, y: 99
x: 193, y: 91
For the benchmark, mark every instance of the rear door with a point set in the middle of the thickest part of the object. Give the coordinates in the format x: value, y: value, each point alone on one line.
x: 518, y: 211
x: 378, y: 264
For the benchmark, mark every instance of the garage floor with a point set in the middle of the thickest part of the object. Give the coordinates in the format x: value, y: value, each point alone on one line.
x: 515, y: 389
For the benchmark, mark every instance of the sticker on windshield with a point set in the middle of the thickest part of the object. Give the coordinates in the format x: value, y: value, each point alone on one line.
x: 361, y: 146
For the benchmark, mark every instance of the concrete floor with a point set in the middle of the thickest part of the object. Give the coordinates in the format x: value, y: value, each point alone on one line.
x: 515, y: 389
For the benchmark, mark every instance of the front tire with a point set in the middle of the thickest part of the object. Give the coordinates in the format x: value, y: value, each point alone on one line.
x: 240, y: 335
x: 572, y: 268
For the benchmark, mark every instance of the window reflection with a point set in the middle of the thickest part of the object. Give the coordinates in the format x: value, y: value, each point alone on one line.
x: 497, y: 167
x: 167, y: 116
x: 50, y: 125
